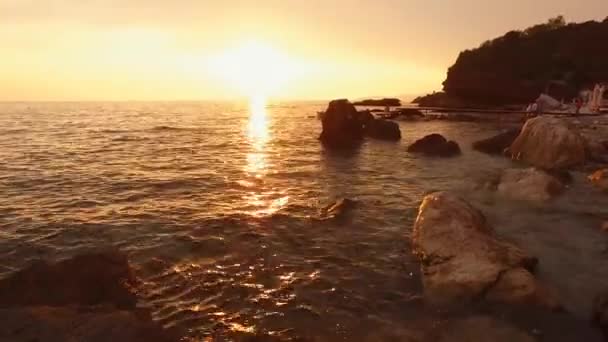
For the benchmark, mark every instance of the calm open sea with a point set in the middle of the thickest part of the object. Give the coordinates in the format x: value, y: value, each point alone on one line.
x: 218, y: 204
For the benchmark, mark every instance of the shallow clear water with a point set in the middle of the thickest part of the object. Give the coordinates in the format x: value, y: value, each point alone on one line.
x: 218, y: 206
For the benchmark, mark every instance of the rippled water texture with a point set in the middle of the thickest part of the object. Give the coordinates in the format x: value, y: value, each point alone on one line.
x: 218, y: 207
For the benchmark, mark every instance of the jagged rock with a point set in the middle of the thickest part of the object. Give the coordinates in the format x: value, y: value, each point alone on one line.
x: 435, y: 145
x: 498, y: 143
x: 342, y: 126
x: 529, y: 185
x: 88, y: 279
x: 549, y: 143
x: 483, y: 328
x: 60, y: 324
x: 463, y: 259
x: 600, y: 312
x: 600, y: 179
x: 383, y: 129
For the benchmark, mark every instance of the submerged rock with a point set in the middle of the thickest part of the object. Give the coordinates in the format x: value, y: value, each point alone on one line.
x: 59, y: 324
x: 342, y: 126
x: 463, y: 259
x: 383, y: 129
x: 88, y: 279
x: 497, y: 144
x: 600, y: 179
x: 529, y: 185
x: 483, y: 328
x: 435, y: 145
x: 549, y: 143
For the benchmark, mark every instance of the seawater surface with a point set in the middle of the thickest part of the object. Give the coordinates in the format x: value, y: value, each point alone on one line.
x: 218, y: 205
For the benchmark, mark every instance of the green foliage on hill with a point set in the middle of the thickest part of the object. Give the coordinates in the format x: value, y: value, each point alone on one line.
x: 555, y: 56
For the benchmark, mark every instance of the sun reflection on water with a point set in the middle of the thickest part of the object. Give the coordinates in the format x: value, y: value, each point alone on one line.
x: 258, y: 134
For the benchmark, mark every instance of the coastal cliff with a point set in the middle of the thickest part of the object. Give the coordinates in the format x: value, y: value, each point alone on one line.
x: 554, y: 57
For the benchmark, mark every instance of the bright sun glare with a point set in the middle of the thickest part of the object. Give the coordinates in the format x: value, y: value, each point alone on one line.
x: 255, y: 69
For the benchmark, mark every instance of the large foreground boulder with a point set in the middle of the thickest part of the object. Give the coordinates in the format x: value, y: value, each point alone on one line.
x: 383, y: 130
x: 342, y: 125
x: 463, y: 259
x: 600, y: 179
x: 529, y: 185
x: 549, y: 143
x: 435, y: 145
x: 69, y: 324
x: 90, y: 297
x: 498, y: 143
x: 89, y: 279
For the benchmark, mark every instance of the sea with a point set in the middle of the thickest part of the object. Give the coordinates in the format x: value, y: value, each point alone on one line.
x: 220, y: 209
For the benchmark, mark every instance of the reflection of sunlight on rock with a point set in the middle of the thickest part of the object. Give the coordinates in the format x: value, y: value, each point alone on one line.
x: 314, y: 275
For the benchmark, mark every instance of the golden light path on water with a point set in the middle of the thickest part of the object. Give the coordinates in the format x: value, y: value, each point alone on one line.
x: 258, y: 133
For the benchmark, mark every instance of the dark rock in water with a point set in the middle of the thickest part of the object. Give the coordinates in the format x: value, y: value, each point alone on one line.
x: 600, y: 312
x: 89, y: 279
x: 497, y: 144
x: 339, y: 208
x: 483, y: 328
x: 365, y: 117
x: 342, y: 127
x: 87, y: 298
x: 383, y: 129
x: 59, y: 324
x: 435, y: 145
x: 463, y: 258
x: 390, y: 102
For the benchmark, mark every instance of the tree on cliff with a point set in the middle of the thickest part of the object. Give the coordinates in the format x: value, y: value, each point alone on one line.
x: 555, y: 56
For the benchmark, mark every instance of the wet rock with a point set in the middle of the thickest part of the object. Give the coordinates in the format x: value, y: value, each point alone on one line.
x: 435, y: 145
x: 600, y: 312
x: 383, y: 130
x: 529, y: 185
x: 342, y: 127
x: 339, y: 208
x: 549, y: 143
x: 600, y: 179
x: 88, y: 279
x: 597, y: 151
x: 605, y: 227
x: 483, y: 328
x: 59, y: 324
x: 463, y: 259
x: 497, y: 144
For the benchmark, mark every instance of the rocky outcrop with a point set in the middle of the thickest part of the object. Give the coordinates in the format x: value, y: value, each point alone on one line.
x: 90, y: 297
x: 549, y: 143
x: 518, y: 66
x: 600, y: 312
x: 383, y: 130
x: 498, y: 143
x: 435, y: 145
x: 529, y: 185
x: 463, y: 258
x: 600, y: 179
x: 342, y: 126
x: 386, y: 102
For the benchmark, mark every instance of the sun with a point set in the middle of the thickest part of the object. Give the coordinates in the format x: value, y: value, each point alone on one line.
x: 255, y: 69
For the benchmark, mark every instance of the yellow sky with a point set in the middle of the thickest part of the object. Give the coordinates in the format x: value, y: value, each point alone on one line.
x: 194, y: 50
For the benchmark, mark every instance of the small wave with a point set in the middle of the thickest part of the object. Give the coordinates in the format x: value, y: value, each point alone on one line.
x: 112, y: 131
x: 130, y: 138
x: 14, y: 131
x: 171, y: 128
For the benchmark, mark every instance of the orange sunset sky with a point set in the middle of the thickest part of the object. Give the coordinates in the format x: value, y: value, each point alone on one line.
x: 283, y: 49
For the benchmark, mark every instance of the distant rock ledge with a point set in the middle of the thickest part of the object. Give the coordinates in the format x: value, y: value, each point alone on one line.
x: 386, y: 102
